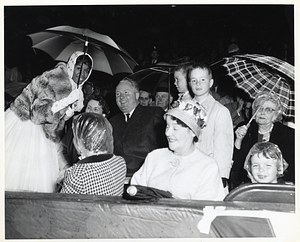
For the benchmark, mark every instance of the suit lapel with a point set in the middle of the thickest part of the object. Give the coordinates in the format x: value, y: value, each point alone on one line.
x: 134, y: 117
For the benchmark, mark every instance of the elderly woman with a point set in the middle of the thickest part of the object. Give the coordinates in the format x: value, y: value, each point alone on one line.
x: 266, y: 128
x: 182, y: 169
x: 99, y: 171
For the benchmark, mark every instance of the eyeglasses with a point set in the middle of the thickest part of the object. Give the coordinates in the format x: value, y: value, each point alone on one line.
x: 266, y: 110
x: 162, y: 97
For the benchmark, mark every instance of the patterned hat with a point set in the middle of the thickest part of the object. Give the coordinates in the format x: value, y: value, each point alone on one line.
x: 190, y: 113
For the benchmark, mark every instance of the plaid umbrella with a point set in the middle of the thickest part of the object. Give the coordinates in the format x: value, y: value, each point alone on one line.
x: 258, y: 73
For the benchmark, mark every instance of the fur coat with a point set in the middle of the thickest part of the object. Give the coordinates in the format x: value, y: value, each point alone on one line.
x: 37, y: 98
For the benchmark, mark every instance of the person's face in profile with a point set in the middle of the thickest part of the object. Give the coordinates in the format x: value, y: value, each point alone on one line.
x: 180, y: 81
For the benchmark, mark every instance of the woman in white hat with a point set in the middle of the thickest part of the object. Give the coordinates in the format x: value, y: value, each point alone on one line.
x: 182, y: 169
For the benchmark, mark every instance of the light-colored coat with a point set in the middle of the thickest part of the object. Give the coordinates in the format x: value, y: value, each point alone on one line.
x: 216, y: 139
x: 194, y: 176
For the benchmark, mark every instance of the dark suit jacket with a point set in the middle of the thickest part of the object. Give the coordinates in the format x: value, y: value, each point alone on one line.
x: 144, y: 132
x: 68, y: 149
x: 281, y: 135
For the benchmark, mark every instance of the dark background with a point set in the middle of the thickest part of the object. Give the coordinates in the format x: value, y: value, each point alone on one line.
x: 199, y: 31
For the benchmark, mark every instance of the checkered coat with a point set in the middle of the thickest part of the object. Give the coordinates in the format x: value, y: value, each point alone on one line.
x: 96, y: 175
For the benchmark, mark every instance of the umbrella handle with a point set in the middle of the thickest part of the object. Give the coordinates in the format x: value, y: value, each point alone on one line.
x: 253, y: 116
x: 169, y: 88
x: 84, y: 51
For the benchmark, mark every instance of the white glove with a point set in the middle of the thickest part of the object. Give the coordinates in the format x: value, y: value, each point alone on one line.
x: 61, y: 174
x: 78, y: 105
x: 73, y: 96
x: 69, y: 113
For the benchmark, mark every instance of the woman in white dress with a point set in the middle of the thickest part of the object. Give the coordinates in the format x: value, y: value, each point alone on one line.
x: 35, y: 121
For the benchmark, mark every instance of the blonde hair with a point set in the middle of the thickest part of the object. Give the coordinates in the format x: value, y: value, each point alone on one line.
x: 270, y: 151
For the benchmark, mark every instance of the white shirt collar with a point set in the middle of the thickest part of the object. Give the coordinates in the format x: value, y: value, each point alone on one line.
x: 130, y: 113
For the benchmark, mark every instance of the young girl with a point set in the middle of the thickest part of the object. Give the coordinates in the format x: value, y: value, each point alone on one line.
x: 265, y: 164
x: 99, y: 171
x: 35, y: 121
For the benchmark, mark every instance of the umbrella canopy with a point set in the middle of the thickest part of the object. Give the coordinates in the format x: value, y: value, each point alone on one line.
x: 258, y: 73
x: 149, y: 78
x: 62, y: 41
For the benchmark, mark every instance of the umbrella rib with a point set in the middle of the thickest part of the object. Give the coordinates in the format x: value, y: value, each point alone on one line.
x: 60, y: 44
x: 158, y: 70
x: 253, y: 77
x: 91, y: 40
x: 267, y: 62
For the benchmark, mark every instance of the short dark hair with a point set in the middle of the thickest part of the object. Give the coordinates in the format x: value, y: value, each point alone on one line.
x: 101, y: 102
x: 200, y: 65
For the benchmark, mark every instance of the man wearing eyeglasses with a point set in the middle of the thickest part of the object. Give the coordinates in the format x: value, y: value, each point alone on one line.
x: 145, y: 98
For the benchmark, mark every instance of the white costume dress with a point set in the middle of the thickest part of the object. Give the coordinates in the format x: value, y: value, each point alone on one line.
x: 33, y: 132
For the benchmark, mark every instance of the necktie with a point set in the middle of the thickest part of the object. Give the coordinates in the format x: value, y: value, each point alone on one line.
x: 127, y: 117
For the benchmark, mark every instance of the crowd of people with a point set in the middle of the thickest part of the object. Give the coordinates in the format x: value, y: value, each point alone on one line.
x: 59, y: 136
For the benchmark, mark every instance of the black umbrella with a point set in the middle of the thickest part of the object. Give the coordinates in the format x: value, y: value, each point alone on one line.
x: 149, y: 78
